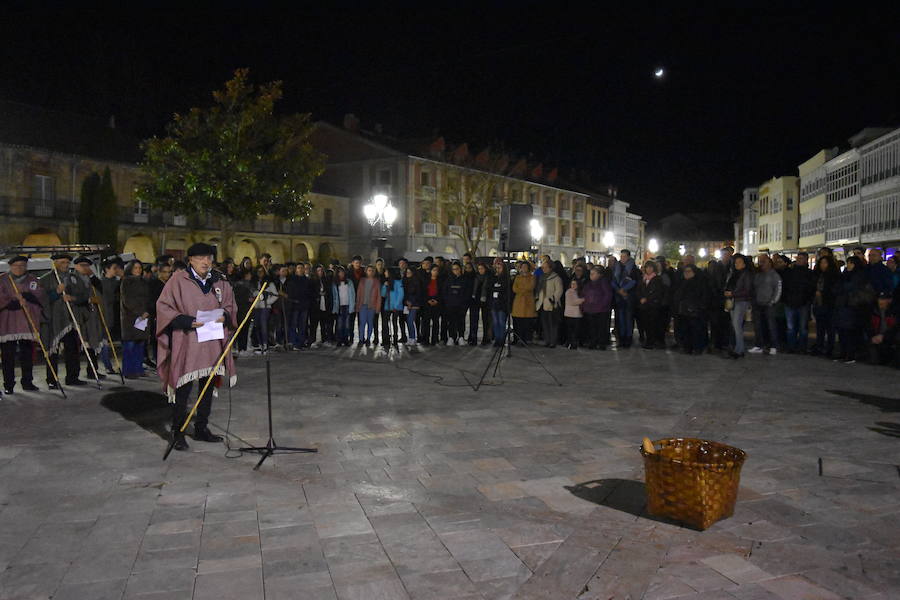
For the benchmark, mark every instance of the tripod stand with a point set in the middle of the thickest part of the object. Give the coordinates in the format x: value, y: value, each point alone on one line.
x: 497, y: 356
x: 271, y: 448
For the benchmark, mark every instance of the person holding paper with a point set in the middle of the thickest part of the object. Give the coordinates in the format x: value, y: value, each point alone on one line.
x: 182, y: 358
x: 135, y: 305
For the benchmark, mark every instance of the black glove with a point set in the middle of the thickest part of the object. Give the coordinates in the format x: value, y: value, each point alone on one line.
x: 13, y: 305
x: 183, y: 322
x: 31, y: 298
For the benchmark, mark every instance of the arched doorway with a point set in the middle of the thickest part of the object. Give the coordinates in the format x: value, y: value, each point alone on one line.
x: 42, y: 237
x: 326, y: 253
x: 302, y: 252
x: 245, y: 248
x: 276, y: 249
x: 141, y: 246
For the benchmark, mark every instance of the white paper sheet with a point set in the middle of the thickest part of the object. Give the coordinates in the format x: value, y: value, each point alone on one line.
x: 140, y: 323
x: 210, y: 331
x: 205, y: 316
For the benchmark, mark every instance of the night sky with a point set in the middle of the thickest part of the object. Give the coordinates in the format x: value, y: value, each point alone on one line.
x: 748, y: 93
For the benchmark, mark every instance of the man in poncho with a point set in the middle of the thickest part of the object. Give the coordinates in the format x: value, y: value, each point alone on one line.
x: 16, y: 334
x: 87, y: 297
x: 181, y: 357
x: 58, y: 329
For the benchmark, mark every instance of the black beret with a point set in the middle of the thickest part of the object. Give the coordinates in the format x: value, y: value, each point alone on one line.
x: 82, y: 259
x: 17, y: 259
x: 201, y: 249
x: 61, y: 255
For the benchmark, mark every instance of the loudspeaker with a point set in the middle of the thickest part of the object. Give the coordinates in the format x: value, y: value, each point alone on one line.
x: 515, y: 227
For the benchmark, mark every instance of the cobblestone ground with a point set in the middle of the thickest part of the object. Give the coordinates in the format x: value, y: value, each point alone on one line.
x: 426, y: 489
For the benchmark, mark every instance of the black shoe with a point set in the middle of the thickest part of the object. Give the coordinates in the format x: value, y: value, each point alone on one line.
x: 53, y: 386
x: 7, y: 390
x: 359, y: 344
x: 76, y: 382
x: 203, y: 434
x: 29, y: 387
x: 100, y: 375
x: 180, y: 443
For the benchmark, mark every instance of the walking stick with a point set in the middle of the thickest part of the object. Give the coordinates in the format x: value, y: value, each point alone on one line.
x: 37, y: 335
x: 212, y: 373
x: 112, y: 346
x: 84, y: 346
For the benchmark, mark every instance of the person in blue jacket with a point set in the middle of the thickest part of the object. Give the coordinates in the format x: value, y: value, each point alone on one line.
x: 625, y: 279
x: 392, y: 306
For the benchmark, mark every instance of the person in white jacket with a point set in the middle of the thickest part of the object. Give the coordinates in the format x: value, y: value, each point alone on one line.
x: 549, y: 295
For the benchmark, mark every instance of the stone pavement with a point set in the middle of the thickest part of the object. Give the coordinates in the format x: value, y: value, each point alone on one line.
x: 425, y: 489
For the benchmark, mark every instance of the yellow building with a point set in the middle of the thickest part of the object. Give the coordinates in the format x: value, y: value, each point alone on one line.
x: 779, y: 214
x: 813, y: 180
x: 46, y: 155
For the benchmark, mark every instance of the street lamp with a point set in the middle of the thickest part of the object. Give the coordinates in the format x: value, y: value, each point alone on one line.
x: 653, y: 246
x: 537, y: 232
x: 609, y: 240
x: 682, y: 249
x: 702, y: 252
x: 380, y: 214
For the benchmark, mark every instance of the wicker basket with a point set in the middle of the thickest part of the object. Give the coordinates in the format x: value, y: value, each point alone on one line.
x: 693, y: 481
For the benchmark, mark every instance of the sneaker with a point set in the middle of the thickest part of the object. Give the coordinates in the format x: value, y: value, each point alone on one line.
x: 773, y: 351
x: 257, y: 352
x: 849, y: 361
x: 755, y: 350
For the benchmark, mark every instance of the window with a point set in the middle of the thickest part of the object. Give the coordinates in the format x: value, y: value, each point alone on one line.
x: 43, y: 187
x: 789, y: 228
x: 790, y: 202
x: 384, y: 177
x: 532, y: 196
x: 425, y: 179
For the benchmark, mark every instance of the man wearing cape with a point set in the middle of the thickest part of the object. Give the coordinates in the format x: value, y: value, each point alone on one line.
x: 182, y: 358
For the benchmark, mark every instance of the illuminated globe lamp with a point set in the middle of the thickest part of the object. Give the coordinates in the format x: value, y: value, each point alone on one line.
x: 702, y: 252
x: 537, y: 233
x: 609, y: 240
x: 653, y: 246
x: 380, y: 211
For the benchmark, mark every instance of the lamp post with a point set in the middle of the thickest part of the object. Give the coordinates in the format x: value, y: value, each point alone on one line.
x: 653, y: 246
x: 380, y: 214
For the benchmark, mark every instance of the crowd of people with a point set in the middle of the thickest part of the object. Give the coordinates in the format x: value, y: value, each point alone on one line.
x: 854, y: 306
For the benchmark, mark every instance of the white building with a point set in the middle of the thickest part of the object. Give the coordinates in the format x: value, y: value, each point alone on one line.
x: 748, y: 236
x: 880, y: 190
x: 842, y: 199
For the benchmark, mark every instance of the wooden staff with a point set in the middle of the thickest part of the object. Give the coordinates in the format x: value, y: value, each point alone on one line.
x: 112, y: 346
x: 37, y: 334
x: 212, y: 374
x: 84, y: 345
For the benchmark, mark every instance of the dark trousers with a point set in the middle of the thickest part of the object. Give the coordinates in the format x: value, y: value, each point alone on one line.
x: 573, y: 330
x: 320, y: 320
x: 825, y: 332
x: 764, y: 326
x: 694, y: 338
x: 550, y: 326
x: 180, y: 408
x: 385, y: 328
x: 71, y: 347
x: 243, y: 333
x: 375, y: 322
x: 720, y: 328
x: 430, y: 329
x: 297, y: 327
x: 524, y: 326
x: 456, y: 322
x: 651, y: 319
x: 598, y: 329
x: 485, y: 313
x: 851, y: 339
x: 398, y: 326
x: 8, y: 352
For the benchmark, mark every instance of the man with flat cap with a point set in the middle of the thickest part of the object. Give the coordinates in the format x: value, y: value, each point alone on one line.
x: 19, y: 291
x: 58, y: 328
x: 182, y: 358
x: 88, y: 295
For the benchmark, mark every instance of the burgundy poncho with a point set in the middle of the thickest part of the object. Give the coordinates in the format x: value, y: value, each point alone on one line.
x: 180, y: 357
x: 13, y: 323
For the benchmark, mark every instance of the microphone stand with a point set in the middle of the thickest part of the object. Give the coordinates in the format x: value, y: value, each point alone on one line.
x: 271, y: 448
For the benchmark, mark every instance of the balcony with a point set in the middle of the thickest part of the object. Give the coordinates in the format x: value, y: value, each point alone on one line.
x: 579, y: 216
x: 566, y: 240
x: 550, y: 211
x: 551, y: 239
x: 473, y: 233
x: 565, y: 214
x: 536, y: 210
x: 455, y: 229
x: 38, y: 208
x: 429, y: 228
x: 579, y: 241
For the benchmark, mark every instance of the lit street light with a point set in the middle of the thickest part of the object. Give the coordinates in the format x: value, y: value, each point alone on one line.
x: 702, y: 252
x: 653, y: 246
x: 609, y: 240
x: 682, y: 249
x: 537, y: 232
x: 380, y: 214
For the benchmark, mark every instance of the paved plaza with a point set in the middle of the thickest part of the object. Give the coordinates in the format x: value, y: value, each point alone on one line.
x: 425, y: 489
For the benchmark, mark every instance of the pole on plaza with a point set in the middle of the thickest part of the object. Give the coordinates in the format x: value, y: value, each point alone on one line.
x: 84, y: 345
x: 37, y: 334
x: 212, y: 374
x: 112, y: 346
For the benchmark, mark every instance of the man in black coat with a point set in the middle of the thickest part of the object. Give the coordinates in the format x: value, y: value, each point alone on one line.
x: 798, y: 290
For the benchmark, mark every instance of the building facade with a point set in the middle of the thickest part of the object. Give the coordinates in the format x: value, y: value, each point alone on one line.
x: 813, y: 184
x: 415, y: 175
x: 842, y: 199
x: 880, y: 191
x: 46, y: 155
x: 746, y: 234
x: 779, y: 214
